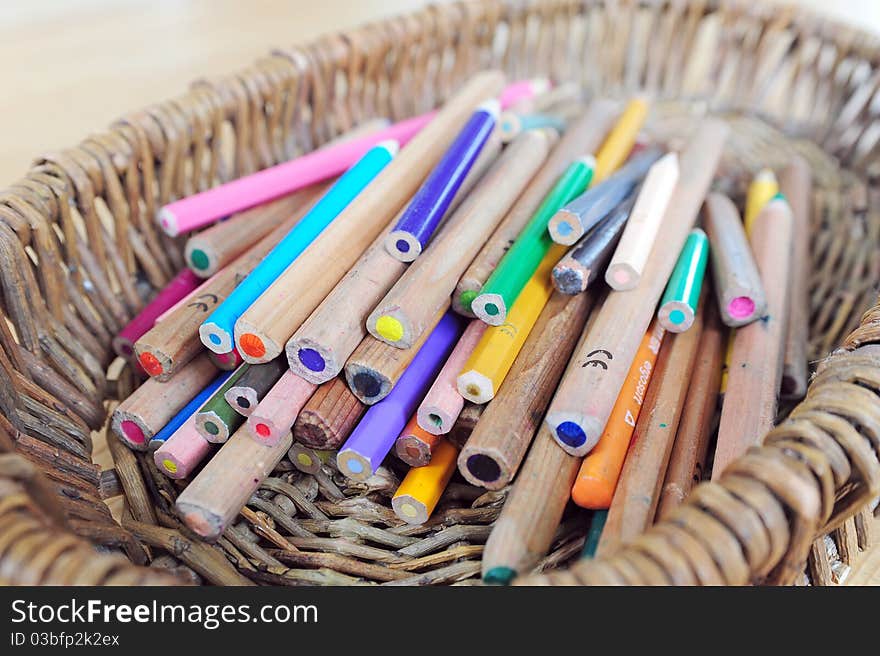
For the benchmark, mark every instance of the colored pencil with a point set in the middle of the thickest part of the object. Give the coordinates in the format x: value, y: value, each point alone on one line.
x: 423, y: 215
x: 582, y: 213
x: 678, y: 306
x: 586, y: 260
x: 307, y: 459
x: 375, y: 367
x: 179, y: 455
x: 216, y: 420
x: 426, y: 286
x: 762, y: 189
x: 491, y: 360
x: 691, y: 445
x: 175, y: 341
x: 215, y: 497
x: 637, y: 493
x: 292, y: 298
x: 523, y: 91
x: 468, y: 419
x: 442, y: 404
x: 512, y: 124
x: 755, y: 374
x: 599, y: 472
x: 589, y: 388
x: 253, y: 385
x: 498, y: 443
x: 273, y: 418
x: 229, y: 361
x: 415, y: 446
x: 190, y: 409
x: 582, y: 135
x: 179, y: 287
x: 320, y: 347
x: 616, y: 148
x: 738, y: 287
x: 217, y: 330
x: 210, y: 250
x: 328, y: 418
x: 421, y: 489
x: 374, y: 436
x: 594, y: 533
x: 523, y: 532
x: 637, y: 240
x: 152, y: 405
x: 797, y: 185
x: 525, y: 255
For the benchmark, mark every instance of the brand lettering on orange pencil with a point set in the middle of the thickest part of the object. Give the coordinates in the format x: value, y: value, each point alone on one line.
x: 644, y: 375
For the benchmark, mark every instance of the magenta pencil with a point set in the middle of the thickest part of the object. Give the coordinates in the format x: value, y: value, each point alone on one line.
x: 442, y: 404
x: 179, y: 287
x: 182, y: 452
x: 226, y: 361
x: 276, y: 413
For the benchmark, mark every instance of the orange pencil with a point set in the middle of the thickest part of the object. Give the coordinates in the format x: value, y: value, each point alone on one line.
x: 597, y: 478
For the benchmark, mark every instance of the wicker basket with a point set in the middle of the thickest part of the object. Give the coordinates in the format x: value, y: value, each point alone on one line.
x: 81, y: 253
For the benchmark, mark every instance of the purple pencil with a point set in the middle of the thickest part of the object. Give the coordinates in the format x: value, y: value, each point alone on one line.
x: 427, y: 208
x: 374, y: 436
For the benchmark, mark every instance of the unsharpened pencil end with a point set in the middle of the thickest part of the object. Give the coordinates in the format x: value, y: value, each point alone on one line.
x: 491, y: 107
x: 168, y: 222
x: 391, y: 145
x: 499, y: 576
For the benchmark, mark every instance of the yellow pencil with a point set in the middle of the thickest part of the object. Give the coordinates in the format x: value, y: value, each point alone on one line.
x: 619, y: 142
x: 422, y: 488
x: 763, y: 187
x: 493, y: 356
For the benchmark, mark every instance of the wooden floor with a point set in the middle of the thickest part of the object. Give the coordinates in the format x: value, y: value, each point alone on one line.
x: 70, y: 67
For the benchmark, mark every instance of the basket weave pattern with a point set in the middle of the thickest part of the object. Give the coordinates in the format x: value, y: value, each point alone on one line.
x: 80, y: 252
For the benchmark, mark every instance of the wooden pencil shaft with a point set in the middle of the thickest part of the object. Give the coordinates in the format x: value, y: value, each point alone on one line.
x: 638, y: 237
x: 498, y: 443
x: 219, y: 492
x: 796, y: 184
x: 212, y: 249
x: 586, y: 260
x: 467, y: 420
x: 524, y: 531
x: 738, y: 287
x: 583, y: 135
x: 691, y: 444
x: 283, y: 307
x: 595, y: 375
x: 638, y: 489
x: 755, y: 373
x: 326, y: 421
x: 421, y: 489
x: 679, y: 303
x: 139, y: 417
x: 426, y: 285
x: 275, y: 415
x: 253, y: 384
x: 217, y: 420
x: 319, y: 348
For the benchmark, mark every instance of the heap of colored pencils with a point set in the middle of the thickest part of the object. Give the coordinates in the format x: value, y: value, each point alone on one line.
x: 487, y: 291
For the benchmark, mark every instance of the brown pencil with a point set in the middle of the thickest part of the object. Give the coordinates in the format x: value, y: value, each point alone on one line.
x: 638, y: 488
x: 328, y: 418
x: 695, y: 429
x: 583, y: 135
x: 317, y: 351
x: 492, y: 455
x: 282, y: 308
x: 139, y: 417
x: 403, y: 314
x: 755, y: 373
x: 467, y: 420
x: 218, y: 493
x: 797, y: 185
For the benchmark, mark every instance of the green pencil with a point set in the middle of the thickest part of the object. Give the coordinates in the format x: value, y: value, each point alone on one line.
x: 679, y: 304
x: 502, y: 288
x: 217, y: 420
x: 597, y: 523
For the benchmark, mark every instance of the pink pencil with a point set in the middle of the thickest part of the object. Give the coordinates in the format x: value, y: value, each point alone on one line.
x: 226, y: 361
x: 179, y: 287
x: 275, y: 414
x: 182, y: 452
x: 207, y: 207
x: 442, y: 404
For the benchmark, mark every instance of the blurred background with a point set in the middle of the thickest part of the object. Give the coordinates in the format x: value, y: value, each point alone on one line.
x: 69, y: 67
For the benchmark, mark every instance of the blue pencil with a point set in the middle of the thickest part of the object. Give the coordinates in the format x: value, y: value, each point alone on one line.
x: 427, y: 208
x: 189, y: 409
x: 217, y: 330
